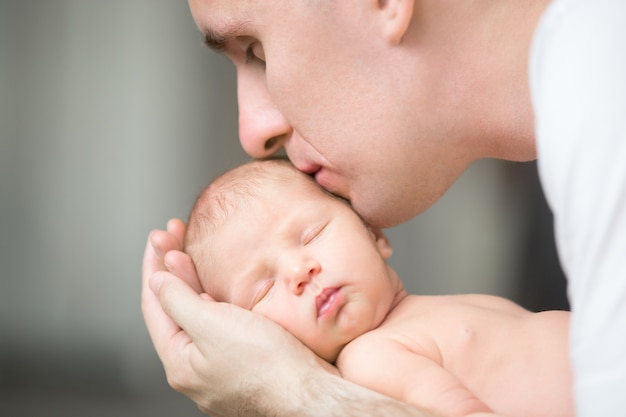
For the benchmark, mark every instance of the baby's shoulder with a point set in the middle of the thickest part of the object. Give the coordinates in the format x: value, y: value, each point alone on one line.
x: 363, y: 358
x: 386, y: 359
x: 372, y: 342
x: 377, y: 342
x: 390, y: 340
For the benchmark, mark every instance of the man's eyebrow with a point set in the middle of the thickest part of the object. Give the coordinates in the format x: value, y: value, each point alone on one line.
x: 215, y: 41
x: 218, y: 40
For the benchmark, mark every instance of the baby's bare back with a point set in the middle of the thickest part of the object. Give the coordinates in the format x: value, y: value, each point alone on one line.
x: 514, y: 361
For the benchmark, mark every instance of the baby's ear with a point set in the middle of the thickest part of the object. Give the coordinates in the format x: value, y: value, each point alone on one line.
x: 384, y: 247
x: 395, y: 19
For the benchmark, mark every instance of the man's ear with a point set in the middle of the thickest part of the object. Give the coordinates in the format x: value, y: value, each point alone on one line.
x: 384, y: 247
x: 395, y: 18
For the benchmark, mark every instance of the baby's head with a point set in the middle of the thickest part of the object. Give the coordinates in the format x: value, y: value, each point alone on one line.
x: 268, y: 238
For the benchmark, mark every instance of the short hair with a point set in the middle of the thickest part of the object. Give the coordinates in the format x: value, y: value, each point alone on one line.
x: 228, y: 193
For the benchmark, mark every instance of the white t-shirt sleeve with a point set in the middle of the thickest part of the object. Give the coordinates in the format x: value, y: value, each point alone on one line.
x: 578, y: 85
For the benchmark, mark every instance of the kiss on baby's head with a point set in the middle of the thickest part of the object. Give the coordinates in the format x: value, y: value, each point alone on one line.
x: 266, y: 237
x: 237, y: 189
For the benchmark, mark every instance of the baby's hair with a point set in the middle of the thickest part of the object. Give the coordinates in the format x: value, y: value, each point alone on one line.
x: 235, y: 190
x: 227, y: 193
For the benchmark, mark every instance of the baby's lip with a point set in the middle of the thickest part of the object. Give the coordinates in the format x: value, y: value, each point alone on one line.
x: 326, y: 301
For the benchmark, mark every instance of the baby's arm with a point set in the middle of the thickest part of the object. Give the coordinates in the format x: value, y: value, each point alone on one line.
x: 387, y: 366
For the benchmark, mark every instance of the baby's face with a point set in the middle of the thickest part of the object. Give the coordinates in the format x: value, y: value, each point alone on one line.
x: 306, y: 261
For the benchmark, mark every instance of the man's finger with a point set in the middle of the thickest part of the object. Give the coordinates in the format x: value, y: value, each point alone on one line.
x: 163, y: 242
x: 161, y: 327
x: 177, y: 228
x: 181, y: 265
x: 180, y: 302
x: 152, y: 258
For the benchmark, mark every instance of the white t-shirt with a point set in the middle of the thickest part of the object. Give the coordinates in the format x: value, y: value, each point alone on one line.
x: 578, y: 85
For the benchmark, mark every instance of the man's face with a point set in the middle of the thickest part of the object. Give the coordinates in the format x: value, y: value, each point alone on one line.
x: 305, y: 260
x: 368, y: 118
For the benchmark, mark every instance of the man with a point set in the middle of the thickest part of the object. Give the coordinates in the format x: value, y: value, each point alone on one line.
x: 386, y: 103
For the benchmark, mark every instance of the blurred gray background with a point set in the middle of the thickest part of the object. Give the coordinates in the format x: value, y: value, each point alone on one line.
x: 113, y: 116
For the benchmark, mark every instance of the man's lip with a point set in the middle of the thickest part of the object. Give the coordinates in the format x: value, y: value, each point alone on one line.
x: 327, y: 301
x: 322, y: 175
x: 330, y: 182
x: 319, y: 176
x: 307, y: 168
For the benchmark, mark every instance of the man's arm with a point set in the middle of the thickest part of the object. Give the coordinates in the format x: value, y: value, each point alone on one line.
x: 232, y: 362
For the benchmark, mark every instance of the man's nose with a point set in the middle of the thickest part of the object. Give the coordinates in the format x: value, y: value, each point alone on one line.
x: 263, y: 129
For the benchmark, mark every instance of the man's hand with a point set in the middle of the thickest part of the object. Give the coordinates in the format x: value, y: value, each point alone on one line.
x: 161, y: 327
x: 228, y: 360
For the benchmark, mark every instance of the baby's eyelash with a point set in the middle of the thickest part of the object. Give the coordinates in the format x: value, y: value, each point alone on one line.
x: 314, y: 233
x: 264, y: 292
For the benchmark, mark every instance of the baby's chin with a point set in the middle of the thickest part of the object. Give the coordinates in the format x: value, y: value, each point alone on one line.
x: 350, y: 331
x: 329, y: 355
x: 325, y: 350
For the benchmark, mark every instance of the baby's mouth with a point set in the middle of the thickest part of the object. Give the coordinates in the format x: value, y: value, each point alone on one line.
x: 327, y: 301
